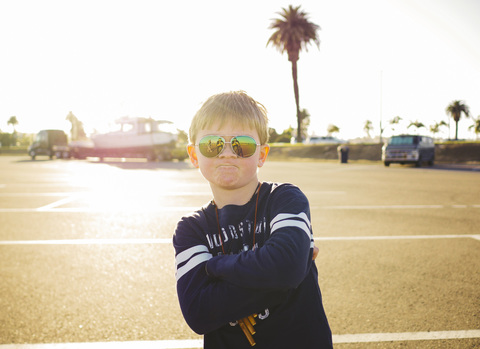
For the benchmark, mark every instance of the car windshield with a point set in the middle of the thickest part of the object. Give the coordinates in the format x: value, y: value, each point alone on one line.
x: 400, y: 140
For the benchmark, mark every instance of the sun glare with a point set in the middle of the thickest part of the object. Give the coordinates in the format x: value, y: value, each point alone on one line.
x: 109, y: 188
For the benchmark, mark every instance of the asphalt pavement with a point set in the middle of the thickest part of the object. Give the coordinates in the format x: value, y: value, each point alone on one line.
x: 86, y: 257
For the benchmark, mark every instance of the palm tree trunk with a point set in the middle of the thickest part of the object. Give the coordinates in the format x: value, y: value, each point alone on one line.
x: 456, y: 118
x: 297, y: 101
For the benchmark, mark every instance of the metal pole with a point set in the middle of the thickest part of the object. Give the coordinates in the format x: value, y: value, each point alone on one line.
x: 381, y: 105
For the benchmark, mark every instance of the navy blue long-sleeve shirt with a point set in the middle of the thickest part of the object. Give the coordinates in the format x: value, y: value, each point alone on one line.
x: 276, y: 280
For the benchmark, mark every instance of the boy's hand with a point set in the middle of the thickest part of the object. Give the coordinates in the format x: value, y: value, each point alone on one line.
x: 247, y: 323
x: 315, y: 252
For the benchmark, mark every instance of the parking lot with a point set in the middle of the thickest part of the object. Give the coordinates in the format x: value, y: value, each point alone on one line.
x: 86, y: 258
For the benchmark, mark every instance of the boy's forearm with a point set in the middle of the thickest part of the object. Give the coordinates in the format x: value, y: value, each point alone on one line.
x: 210, y: 304
x: 282, y: 263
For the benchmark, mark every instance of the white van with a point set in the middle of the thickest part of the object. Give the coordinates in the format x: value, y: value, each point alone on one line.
x: 404, y: 149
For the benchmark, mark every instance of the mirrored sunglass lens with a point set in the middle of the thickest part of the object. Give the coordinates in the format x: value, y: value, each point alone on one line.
x: 244, y: 146
x: 211, y: 146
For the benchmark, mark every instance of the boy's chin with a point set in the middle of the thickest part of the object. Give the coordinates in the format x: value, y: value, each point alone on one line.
x: 228, y: 183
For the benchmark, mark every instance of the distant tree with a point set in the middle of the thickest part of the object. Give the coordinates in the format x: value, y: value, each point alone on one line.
x: 331, y: 129
x: 395, y: 121
x: 6, y: 139
x: 475, y: 127
x: 182, y: 136
x: 13, y: 121
x: 416, y: 124
x: 285, y: 136
x: 272, y: 135
x: 293, y: 32
x: 368, y: 127
x: 77, y: 132
x: 305, y: 122
x: 455, y: 110
x: 382, y: 129
x: 435, y: 128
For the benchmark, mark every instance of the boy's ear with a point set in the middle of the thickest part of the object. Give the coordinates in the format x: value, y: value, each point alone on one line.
x: 264, y: 149
x: 192, y: 154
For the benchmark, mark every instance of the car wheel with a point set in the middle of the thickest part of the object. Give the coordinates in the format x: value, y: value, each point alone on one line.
x: 151, y: 157
x: 386, y: 163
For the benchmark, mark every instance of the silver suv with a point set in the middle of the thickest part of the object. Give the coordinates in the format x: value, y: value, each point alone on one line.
x: 404, y: 149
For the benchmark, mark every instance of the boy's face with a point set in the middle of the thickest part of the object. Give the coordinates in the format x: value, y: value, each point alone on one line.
x: 228, y: 170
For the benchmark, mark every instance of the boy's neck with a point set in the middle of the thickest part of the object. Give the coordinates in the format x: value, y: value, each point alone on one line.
x: 240, y: 196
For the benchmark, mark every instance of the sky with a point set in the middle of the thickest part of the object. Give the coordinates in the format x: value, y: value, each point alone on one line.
x: 105, y: 59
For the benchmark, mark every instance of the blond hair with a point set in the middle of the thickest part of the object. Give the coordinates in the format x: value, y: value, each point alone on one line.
x: 234, y: 107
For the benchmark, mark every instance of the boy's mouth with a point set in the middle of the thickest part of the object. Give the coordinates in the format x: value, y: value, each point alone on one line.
x: 227, y: 167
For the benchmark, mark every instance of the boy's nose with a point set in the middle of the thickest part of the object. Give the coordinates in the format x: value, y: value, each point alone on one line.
x: 228, y: 151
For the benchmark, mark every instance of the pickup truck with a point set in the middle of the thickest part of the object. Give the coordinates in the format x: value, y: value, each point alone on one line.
x: 50, y: 143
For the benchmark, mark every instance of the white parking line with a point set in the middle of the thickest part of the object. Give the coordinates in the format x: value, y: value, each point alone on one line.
x: 391, y: 207
x: 88, y: 242
x: 30, y: 195
x: 161, y: 344
x: 53, y: 207
x: 85, y: 193
x: 404, y: 336
x: 198, y: 343
x: 169, y: 240
x: 397, y: 237
x: 57, y: 203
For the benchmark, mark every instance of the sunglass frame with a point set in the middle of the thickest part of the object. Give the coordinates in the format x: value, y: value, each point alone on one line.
x: 232, y: 146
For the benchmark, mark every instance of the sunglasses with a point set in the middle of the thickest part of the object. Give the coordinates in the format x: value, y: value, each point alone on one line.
x: 242, y: 146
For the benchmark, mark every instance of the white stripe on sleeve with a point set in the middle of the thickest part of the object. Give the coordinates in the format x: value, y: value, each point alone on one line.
x: 292, y: 223
x: 282, y: 216
x: 203, y: 256
x: 184, y: 255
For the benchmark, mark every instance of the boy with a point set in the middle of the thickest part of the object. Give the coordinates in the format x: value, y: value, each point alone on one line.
x: 244, y: 262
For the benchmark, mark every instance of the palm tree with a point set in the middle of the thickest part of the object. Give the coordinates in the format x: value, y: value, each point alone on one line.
x: 476, y: 126
x: 331, y: 129
x: 395, y: 121
x: 455, y: 110
x: 368, y: 128
x: 416, y: 124
x: 304, y: 121
x: 435, y: 128
x: 77, y: 130
x: 13, y: 121
x: 294, y: 32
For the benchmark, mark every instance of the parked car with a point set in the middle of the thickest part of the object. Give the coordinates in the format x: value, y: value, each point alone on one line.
x: 50, y: 143
x: 405, y: 149
x: 324, y: 140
